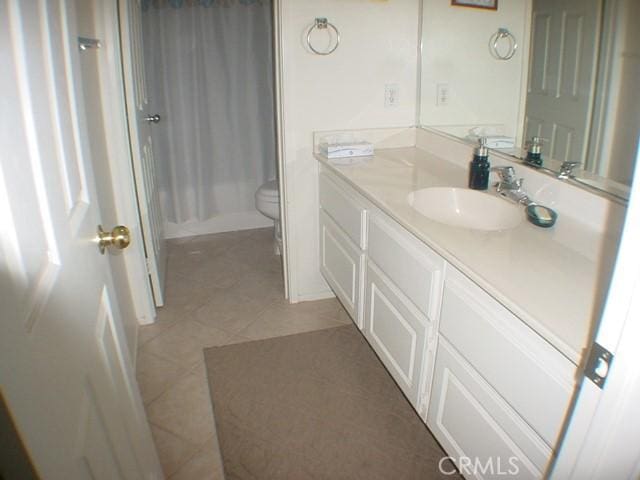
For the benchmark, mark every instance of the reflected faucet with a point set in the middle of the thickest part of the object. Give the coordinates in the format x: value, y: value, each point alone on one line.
x: 566, y: 170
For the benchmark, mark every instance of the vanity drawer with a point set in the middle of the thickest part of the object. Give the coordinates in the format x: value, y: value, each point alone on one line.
x: 342, y: 265
x: 472, y: 422
x: 396, y: 330
x: 344, y: 208
x: 409, y: 263
x: 526, y: 371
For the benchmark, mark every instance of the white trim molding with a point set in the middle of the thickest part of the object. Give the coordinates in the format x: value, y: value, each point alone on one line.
x: 120, y: 159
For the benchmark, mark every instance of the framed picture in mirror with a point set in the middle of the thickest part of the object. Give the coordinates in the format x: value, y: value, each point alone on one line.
x: 487, y: 4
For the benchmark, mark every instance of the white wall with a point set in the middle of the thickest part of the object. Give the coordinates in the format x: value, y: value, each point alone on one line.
x: 483, y: 90
x: 344, y: 90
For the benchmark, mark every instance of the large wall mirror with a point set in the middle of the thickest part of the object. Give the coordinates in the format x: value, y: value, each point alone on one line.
x: 567, y: 71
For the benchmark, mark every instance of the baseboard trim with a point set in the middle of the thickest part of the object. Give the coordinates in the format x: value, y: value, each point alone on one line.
x: 134, y: 347
x: 309, y: 297
x: 221, y: 223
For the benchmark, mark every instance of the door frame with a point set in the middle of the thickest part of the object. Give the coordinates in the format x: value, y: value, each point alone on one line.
x: 120, y: 159
x: 278, y: 75
x: 607, y: 78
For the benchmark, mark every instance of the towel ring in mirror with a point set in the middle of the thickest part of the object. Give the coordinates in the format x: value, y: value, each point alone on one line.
x: 495, y: 40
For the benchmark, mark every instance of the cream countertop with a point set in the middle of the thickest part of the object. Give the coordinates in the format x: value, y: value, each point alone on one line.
x: 553, y: 279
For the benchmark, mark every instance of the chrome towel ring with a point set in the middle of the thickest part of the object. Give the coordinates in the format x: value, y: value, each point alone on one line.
x: 494, y: 41
x: 323, y: 24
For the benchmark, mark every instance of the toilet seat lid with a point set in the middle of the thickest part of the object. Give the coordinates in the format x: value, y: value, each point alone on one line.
x: 269, y: 189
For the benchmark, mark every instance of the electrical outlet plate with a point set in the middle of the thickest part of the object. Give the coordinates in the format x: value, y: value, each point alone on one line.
x: 391, y: 95
x: 442, y: 94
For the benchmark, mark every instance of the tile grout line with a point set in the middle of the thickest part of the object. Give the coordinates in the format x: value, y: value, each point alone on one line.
x: 197, y: 448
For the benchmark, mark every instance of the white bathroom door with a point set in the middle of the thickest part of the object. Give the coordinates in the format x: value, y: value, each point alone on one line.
x: 562, y: 75
x: 65, y: 369
x: 141, y: 121
x: 602, y: 437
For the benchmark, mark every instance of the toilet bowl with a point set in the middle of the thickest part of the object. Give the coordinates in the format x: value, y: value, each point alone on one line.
x: 268, y: 200
x: 268, y: 203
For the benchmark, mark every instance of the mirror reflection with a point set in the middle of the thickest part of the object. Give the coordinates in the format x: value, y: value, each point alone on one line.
x: 558, y: 77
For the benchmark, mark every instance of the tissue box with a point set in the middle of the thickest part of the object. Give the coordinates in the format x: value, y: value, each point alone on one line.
x: 342, y: 150
x: 500, y: 141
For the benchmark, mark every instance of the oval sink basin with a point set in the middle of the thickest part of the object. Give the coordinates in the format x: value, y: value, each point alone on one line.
x: 461, y: 207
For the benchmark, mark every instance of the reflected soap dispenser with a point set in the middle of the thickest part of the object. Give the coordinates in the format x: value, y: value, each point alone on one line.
x: 479, y: 167
x: 534, y: 153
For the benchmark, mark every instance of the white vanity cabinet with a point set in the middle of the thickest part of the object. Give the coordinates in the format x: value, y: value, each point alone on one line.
x: 491, y: 389
x: 390, y: 284
x: 341, y: 264
x: 342, y: 242
x: 402, y: 302
x: 500, y: 391
x: 345, y: 207
x: 473, y: 424
x: 397, y: 331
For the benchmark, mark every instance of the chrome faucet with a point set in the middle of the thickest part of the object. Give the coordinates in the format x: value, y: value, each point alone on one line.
x: 510, y: 186
x: 566, y: 170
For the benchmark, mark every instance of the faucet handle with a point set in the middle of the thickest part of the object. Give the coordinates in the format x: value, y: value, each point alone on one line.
x: 506, y: 174
x: 569, y: 164
x: 508, y: 180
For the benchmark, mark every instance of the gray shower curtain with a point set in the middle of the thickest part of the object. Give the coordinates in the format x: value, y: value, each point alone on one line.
x: 210, y: 76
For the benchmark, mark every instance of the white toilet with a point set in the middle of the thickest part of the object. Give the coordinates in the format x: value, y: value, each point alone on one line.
x: 268, y: 204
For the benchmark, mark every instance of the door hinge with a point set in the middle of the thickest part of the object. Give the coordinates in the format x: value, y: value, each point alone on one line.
x: 598, y: 365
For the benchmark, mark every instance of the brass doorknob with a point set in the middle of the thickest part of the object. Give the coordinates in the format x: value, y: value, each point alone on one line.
x: 119, y: 238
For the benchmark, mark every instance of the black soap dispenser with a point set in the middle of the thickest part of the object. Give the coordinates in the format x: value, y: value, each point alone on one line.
x: 479, y: 167
x: 534, y: 153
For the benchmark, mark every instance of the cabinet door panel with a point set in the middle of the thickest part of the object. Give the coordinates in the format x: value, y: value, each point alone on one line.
x: 472, y: 422
x: 341, y: 264
x: 341, y: 204
x: 396, y: 330
x: 533, y: 377
x: 410, y: 264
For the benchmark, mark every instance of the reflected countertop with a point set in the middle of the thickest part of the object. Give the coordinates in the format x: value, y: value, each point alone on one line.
x: 553, y: 279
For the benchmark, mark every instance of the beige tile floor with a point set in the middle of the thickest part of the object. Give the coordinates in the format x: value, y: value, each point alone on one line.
x: 221, y: 289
